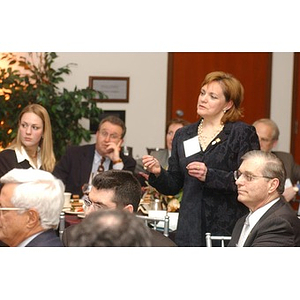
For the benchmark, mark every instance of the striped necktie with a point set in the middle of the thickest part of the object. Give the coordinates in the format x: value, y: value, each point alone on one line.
x: 101, y: 167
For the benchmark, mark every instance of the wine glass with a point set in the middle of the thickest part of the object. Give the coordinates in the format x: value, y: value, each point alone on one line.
x: 86, y: 188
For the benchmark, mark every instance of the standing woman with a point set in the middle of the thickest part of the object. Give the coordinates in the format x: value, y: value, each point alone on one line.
x: 204, y: 156
x: 33, y: 146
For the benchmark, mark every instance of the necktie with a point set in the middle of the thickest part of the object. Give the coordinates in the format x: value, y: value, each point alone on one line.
x: 245, y: 232
x: 101, y: 167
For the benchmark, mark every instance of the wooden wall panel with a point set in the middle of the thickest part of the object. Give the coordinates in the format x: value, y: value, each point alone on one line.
x: 295, y: 126
x: 187, y: 70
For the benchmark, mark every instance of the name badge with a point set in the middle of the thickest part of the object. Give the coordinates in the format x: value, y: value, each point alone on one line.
x: 191, y: 146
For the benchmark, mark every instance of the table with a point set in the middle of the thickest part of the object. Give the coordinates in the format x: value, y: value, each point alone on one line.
x: 71, y: 220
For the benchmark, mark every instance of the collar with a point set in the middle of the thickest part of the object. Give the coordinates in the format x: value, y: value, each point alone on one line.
x: 29, y: 239
x: 22, y: 155
x: 256, y: 215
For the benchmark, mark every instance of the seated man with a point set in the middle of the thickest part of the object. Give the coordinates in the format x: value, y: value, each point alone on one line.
x: 116, y: 189
x: 271, y: 222
x: 30, y: 204
x: 81, y: 163
x: 111, y: 228
x: 268, y: 134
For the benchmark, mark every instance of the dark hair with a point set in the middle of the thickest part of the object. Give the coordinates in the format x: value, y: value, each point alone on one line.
x: 111, y: 228
x: 116, y: 121
x: 273, y: 166
x: 232, y: 90
x: 176, y: 121
x: 125, y: 185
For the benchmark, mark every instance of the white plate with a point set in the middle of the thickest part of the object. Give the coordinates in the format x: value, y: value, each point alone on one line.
x: 68, y: 211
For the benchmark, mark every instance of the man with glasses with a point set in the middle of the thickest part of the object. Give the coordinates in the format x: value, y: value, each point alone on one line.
x: 81, y: 163
x: 268, y: 134
x: 30, y: 204
x: 111, y: 190
x: 271, y: 221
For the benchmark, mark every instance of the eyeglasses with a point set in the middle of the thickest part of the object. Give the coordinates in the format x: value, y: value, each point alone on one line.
x: 248, y: 176
x: 112, y: 136
x: 89, y: 203
x: 2, y: 209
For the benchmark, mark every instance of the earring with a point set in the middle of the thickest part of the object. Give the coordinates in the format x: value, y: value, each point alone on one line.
x: 224, y: 111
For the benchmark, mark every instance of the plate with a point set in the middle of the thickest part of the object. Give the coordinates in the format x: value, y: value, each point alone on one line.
x: 69, y: 211
x: 81, y: 216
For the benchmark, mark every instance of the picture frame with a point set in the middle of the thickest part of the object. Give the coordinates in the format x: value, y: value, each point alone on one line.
x: 115, y: 88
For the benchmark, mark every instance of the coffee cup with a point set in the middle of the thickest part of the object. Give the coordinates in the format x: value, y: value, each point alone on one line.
x: 67, y: 199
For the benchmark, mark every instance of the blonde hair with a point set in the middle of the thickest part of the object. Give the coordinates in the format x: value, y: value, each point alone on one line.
x: 46, y: 143
x: 232, y: 90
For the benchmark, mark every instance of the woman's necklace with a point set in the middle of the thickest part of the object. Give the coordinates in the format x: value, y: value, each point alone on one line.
x: 204, y: 140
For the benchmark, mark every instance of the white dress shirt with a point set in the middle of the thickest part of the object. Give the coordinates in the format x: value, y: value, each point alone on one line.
x: 22, y: 155
x: 96, y: 162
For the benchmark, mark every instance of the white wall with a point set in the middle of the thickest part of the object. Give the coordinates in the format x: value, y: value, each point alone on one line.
x: 281, y: 96
x: 146, y: 110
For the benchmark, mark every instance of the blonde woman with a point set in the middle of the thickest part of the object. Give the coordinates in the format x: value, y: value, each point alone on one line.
x: 33, y: 146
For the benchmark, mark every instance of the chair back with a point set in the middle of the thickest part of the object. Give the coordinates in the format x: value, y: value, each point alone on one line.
x: 149, y: 150
x: 61, y: 226
x: 127, y: 151
x: 154, y: 221
x: 209, y: 238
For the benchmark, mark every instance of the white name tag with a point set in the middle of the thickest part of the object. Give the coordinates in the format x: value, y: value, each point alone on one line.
x: 191, y: 146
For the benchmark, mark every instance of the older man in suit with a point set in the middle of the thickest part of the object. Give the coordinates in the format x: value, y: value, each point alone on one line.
x: 30, y: 204
x: 268, y: 134
x: 271, y: 222
x: 81, y: 163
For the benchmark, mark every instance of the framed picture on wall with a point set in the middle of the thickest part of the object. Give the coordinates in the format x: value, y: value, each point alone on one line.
x: 115, y: 88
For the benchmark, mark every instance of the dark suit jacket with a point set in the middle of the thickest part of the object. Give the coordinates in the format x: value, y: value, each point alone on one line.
x: 158, y: 239
x: 75, y: 167
x: 279, y: 226
x: 47, y: 238
x: 8, y: 161
x: 292, y: 169
x: 209, y: 206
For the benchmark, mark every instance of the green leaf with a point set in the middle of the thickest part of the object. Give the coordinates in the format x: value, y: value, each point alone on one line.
x: 37, y: 83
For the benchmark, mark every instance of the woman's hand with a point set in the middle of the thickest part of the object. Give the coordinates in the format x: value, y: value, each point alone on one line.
x: 151, y: 164
x: 197, y: 169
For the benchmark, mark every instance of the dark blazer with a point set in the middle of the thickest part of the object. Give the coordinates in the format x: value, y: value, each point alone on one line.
x: 157, y: 240
x: 292, y: 169
x: 8, y: 161
x: 278, y: 227
x: 209, y: 206
x: 75, y: 166
x: 47, y: 238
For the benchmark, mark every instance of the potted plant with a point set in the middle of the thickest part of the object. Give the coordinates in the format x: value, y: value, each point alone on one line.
x: 33, y: 79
